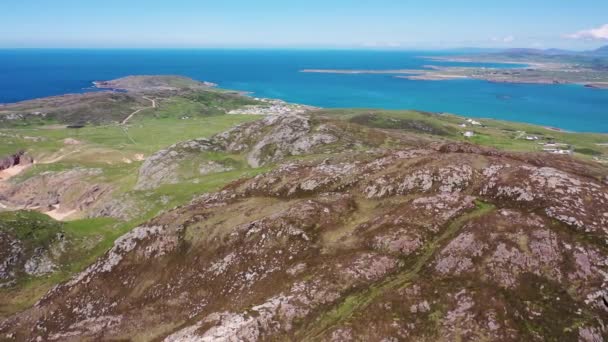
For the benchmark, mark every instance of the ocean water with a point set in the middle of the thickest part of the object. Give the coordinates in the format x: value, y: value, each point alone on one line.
x: 27, y: 74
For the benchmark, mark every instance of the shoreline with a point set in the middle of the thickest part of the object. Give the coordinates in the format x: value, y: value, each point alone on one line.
x: 432, y: 74
x: 437, y: 73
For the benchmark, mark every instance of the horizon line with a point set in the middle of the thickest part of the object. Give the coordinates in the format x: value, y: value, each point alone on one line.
x: 312, y: 48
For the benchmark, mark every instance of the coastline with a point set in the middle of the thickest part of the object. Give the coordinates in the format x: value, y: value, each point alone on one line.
x: 513, y: 76
x: 288, y: 106
x: 461, y: 96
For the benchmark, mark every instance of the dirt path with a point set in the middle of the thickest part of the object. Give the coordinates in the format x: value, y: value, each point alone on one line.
x: 56, y: 159
x: 126, y: 120
x: 59, y: 216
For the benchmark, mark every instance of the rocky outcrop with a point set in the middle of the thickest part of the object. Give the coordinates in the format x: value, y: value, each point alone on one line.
x: 31, y: 246
x: 410, y: 244
x: 124, y: 207
x: 19, y: 158
x: 269, y: 140
x: 10, y: 256
x: 66, y: 191
x: 163, y: 166
x: 276, y: 137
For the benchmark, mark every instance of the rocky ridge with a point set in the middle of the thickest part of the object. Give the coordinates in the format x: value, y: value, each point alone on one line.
x: 262, y: 142
x: 449, y: 241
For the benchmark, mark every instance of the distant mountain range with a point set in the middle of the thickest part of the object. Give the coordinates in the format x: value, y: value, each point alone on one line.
x: 600, y: 52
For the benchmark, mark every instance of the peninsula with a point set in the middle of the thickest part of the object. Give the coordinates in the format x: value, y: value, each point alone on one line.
x: 588, y: 69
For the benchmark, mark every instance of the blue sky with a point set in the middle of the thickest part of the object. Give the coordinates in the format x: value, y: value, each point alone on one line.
x: 312, y: 23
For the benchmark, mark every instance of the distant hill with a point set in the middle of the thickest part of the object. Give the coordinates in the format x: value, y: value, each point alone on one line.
x: 121, y: 98
x: 601, y: 52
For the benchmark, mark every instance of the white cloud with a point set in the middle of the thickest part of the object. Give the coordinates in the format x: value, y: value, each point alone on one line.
x: 600, y: 33
x: 381, y: 44
x: 507, y: 39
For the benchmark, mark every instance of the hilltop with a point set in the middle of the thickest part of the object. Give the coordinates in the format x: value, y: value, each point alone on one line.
x: 599, y: 52
x: 121, y: 98
x: 153, y: 83
x: 192, y: 222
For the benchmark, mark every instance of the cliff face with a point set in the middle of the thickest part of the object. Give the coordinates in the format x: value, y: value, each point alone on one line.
x: 448, y: 241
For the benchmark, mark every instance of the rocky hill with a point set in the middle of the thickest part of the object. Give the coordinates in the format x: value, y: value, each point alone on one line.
x: 153, y: 83
x: 255, y: 144
x: 448, y: 242
x: 123, y: 97
x: 322, y: 225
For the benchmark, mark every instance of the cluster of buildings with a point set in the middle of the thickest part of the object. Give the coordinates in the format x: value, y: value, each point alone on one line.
x: 271, y: 107
x: 470, y: 134
x: 471, y: 122
x: 549, y: 145
x: 556, y: 148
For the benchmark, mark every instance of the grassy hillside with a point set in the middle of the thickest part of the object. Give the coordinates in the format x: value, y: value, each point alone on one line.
x: 504, y: 135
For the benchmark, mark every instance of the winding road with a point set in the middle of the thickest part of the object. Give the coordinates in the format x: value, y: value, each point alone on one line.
x: 126, y: 120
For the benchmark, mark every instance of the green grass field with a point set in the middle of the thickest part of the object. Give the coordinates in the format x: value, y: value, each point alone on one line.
x: 106, y: 147
x: 502, y: 135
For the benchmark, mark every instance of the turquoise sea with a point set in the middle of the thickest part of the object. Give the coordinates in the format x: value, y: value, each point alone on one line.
x: 33, y: 73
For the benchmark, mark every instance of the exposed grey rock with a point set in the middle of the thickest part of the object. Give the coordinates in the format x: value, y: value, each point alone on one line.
x: 275, y: 137
x: 124, y: 208
x: 162, y: 167
x: 40, y: 264
x: 265, y: 141
x: 10, y: 257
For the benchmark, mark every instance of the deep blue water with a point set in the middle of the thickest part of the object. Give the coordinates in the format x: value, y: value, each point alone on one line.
x: 27, y: 74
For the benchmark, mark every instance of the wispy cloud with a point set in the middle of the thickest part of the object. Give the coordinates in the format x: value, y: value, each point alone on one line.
x: 600, y: 33
x: 507, y: 39
x: 381, y: 44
